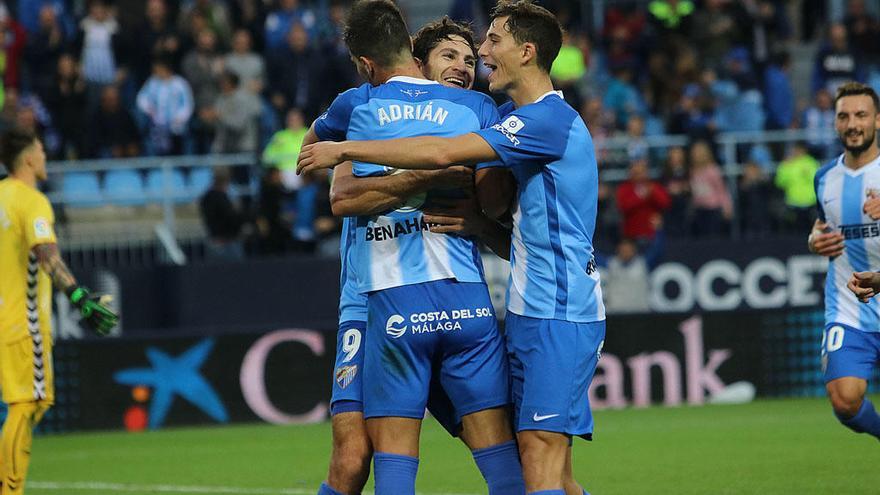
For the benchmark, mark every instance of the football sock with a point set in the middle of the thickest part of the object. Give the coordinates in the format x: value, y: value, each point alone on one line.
x: 865, y: 421
x: 548, y: 492
x: 586, y: 492
x: 16, y: 444
x: 326, y: 490
x: 501, y: 469
x: 395, y: 474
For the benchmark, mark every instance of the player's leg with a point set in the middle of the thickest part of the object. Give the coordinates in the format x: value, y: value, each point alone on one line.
x: 474, y: 373
x: 397, y: 373
x: 572, y: 487
x: 350, y: 458
x: 552, y: 365
x: 17, y: 436
x: 848, y: 357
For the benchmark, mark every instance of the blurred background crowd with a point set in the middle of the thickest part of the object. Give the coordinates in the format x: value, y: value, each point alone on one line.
x: 657, y: 82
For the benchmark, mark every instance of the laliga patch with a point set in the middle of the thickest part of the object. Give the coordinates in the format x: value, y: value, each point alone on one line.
x: 345, y: 375
x: 512, y: 124
x: 42, y: 230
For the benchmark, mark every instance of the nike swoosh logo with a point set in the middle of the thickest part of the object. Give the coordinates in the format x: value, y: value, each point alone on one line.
x: 542, y: 418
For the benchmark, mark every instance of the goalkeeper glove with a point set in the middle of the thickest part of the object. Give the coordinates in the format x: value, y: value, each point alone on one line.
x: 96, y: 315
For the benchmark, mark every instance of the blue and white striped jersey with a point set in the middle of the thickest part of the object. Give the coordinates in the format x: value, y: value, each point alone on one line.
x: 352, y: 304
x: 841, y: 194
x: 396, y: 248
x: 549, y: 150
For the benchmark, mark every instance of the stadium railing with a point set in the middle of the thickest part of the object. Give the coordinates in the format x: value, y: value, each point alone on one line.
x: 165, y: 190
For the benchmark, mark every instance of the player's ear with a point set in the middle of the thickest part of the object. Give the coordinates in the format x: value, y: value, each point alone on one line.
x: 529, y: 52
x: 419, y: 64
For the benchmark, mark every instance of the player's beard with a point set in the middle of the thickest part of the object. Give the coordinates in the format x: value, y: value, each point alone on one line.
x: 861, y: 148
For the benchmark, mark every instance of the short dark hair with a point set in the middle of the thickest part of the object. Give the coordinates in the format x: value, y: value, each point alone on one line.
x: 433, y: 33
x: 12, y: 143
x: 375, y: 29
x: 853, y: 88
x: 530, y: 23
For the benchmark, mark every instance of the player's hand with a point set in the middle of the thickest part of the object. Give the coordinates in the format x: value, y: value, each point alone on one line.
x: 317, y: 156
x: 457, y: 177
x: 94, y: 309
x: 461, y: 217
x: 872, y: 206
x: 864, y: 285
x: 825, y: 242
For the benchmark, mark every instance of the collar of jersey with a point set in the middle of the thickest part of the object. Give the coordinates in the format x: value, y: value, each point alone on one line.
x: 548, y: 93
x: 861, y: 170
x: 410, y: 80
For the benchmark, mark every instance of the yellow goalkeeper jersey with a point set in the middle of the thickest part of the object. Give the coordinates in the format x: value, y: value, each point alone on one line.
x: 26, y: 220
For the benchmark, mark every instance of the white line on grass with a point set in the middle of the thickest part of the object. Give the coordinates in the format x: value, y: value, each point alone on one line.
x: 127, y: 487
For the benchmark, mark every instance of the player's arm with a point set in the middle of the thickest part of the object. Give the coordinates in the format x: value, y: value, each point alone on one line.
x: 495, y: 190
x: 94, y: 310
x: 463, y: 217
x: 419, y: 153
x: 864, y: 285
x: 350, y: 195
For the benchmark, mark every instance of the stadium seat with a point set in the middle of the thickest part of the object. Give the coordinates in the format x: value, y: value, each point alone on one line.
x: 81, y: 189
x: 200, y: 179
x: 178, y: 189
x: 124, y: 187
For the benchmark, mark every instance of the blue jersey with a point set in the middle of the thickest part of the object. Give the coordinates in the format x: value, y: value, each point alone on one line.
x: 553, y: 274
x: 841, y: 194
x: 352, y: 304
x: 396, y: 248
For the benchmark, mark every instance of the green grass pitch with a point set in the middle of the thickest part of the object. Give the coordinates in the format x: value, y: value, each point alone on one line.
x: 767, y: 447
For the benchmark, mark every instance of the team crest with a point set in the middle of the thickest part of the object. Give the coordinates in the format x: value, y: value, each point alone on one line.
x: 345, y: 375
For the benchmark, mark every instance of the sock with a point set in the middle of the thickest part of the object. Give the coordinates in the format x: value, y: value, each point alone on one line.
x: 586, y: 492
x: 326, y: 490
x: 865, y: 421
x: 395, y: 474
x: 501, y: 468
x: 549, y: 492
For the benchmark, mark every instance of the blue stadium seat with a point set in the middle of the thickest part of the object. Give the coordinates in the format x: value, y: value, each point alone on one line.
x: 200, y: 179
x: 81, y: 189
x: 156, y: 185
x: 124, y: 187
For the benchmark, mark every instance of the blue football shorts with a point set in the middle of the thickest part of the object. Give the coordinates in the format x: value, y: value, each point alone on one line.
x: 552, y: 363
x: 442, y: 330
x: 847, y: 351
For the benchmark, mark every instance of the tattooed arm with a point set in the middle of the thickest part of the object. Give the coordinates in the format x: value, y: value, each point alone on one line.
x: 50, y: 261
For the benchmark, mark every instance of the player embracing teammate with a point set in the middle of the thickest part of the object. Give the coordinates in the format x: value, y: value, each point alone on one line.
x: 556, y: 321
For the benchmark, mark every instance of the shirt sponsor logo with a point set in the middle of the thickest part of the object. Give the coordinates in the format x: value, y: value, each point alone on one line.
x: 388, y: 232
x: 435, y: 321
x: 413, y: 93
x: 394, y: 113
x: 513, y: 124
x: 860, y: 231
x: 510, y: 137
x: 42, y: 229
x: 392, y: 329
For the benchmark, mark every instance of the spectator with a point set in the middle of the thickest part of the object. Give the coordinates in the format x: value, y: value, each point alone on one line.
x: 677, y: 182
x: 273, y: 230
x: 215, y: 14
x: 294, y: 75
x: 716, y: 29
x: 114, y: 133
x: 671, y: 19
x: 43, y: 48
x: 622, y: 97
x: 837, y: 62
x: 755, y: 194
x: 166, y: 99
x: 283, y: 149
x: 778, y: 92
x: 202, y: 68
x: 234, y: 116
x: 67, y: 101
x: 568, y: 69
x: 339, y: 73
x: 280, y: 21
x: 694, y: 114
x: 626, y: 276
x: 795, y: 177
x: 98, y: 41
x: 710, y: 200
x: 157, y: 36
x: 247, y: 65
x: 818, y: 121
x: 641, y: 202
x: 249, y: 15
x: 864, y: 31
x: 740, y: 105
x: 12, y: 40
x: 222, y: 220
x: 30, y: 14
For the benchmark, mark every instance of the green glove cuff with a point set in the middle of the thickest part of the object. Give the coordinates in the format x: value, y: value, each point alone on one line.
x: 78, y: 295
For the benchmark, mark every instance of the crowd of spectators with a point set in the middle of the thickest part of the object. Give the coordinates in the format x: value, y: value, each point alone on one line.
x: 125, y: 78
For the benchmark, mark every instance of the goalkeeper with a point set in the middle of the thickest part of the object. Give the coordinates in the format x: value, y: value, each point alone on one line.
x: 29, y: 264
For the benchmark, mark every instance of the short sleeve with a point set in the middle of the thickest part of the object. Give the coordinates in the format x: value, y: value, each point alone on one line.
x: 488, y: 117
x: 39, y: 222
x: 332, y: 125
x: 528, y: 135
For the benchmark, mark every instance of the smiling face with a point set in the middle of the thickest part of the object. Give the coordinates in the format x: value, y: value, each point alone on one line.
x: 502, y: 55
x: 856, y: 121
x: 451, y: 63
